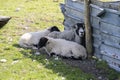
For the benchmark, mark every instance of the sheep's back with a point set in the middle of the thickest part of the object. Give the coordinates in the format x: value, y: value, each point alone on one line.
x: 67, y: 35
x: 54, y: 34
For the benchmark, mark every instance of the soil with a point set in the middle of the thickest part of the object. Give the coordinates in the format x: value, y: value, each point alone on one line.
x: 87, y: 66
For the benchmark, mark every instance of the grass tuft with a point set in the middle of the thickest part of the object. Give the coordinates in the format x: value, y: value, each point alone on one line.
x: 111, y: 73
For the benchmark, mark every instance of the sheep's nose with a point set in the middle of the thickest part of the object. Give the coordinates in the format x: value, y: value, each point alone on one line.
x: 82, y: 33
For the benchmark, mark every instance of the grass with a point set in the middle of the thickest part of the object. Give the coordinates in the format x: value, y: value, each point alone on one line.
x: 111, y: 73
x: 109, y: 0
x: 21, y: 64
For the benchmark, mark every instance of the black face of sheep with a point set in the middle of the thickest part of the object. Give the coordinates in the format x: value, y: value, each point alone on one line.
x: 42, y: 42
x: 80, y: 29
x: 54, y: 28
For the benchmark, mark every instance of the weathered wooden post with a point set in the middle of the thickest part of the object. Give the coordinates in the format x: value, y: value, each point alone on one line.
x: 88, y: 29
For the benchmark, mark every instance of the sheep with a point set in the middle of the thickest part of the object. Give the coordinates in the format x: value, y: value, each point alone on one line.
x: 63, y: 48
x: 77, y: 34
x: 31, y: 39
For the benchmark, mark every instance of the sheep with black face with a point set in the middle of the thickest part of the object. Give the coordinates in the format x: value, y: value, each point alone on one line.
x: 31, y: 39
x: 77, y: 34
x: 63, y: 48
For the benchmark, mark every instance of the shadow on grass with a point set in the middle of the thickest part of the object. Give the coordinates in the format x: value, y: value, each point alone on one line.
x: 16, y: 45
x: 57, y: 66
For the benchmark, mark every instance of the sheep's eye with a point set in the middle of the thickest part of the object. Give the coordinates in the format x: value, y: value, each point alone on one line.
x: 48, y: 42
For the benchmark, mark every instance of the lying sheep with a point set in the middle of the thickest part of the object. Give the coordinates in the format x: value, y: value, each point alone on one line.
x: 63, y: 48
x: 76, y: 34
x: 31, y: 39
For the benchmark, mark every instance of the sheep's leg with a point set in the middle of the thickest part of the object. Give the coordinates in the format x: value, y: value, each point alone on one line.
x: 36, y: 51
x: 46, y: 51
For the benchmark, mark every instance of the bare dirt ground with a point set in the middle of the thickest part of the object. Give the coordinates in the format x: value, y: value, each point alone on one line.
x: 88, y: 66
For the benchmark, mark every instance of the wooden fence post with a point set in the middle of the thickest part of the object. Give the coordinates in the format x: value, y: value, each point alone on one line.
x: 88, y: 31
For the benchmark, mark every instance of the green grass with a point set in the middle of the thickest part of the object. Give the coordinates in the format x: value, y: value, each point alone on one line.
x: 31, y: 15
x: 111, y: 73
x: 108, y: 0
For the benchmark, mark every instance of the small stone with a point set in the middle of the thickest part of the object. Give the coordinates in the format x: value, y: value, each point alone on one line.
x: 94, y: 57
x: 25, y: 28
x: 3, y: 60
x: 74, y: 0
x: 17, y: 9
x: 63, y: 78
x: 10, y: 39
x: 100, y: 78
x: 46, y: 59
x: 55, y: 65
x: 56, y: 58
x: 33, y: 60
x: 47, y: 63
x: 37, y: 53
x: 14, y: 62
x: 99, y: 59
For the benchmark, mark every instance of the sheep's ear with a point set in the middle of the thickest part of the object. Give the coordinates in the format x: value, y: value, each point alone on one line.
x: 54, y: 28
x: 75, y: 26
x: 42, y: 42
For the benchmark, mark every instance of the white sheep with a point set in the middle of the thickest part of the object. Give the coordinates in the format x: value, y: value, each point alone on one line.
x: 63, y: 48
x: 31, y: 39
x: 76, y: 34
